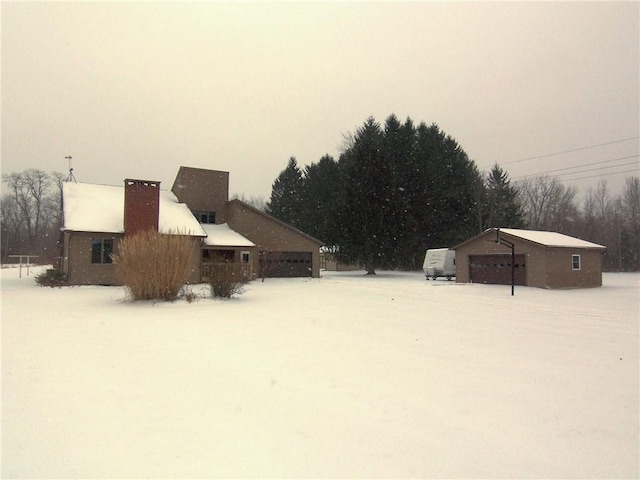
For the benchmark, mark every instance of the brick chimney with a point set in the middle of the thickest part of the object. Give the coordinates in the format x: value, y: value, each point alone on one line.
x: 141, y: 205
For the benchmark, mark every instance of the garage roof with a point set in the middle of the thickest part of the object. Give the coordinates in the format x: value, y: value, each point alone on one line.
x: 548, y: 239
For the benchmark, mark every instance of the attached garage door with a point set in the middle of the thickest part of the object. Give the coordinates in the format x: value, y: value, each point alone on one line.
x: 496, y: 269
x: 285, y: 264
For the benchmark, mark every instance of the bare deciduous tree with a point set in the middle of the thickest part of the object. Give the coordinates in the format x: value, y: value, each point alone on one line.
x: 547, y: 203
x: 630, y: 231
x: 31, y: 212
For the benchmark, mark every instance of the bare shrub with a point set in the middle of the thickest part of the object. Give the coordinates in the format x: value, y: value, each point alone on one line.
x: 188, y: 294
x: 226, y: 280
x: 154, y: 266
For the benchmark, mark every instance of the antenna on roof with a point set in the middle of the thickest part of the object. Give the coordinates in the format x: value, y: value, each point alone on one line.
x: 70, y: 177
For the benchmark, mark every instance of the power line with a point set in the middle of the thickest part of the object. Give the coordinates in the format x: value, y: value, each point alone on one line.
x: 598, y: 168
x: 582, y: 166
x: 571, y: 150
x: 601, y: 175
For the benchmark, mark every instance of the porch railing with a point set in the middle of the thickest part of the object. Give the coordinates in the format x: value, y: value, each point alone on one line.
x: 241, y: 271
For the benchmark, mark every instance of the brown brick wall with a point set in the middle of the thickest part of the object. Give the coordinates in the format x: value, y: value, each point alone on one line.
x: 141, y: 205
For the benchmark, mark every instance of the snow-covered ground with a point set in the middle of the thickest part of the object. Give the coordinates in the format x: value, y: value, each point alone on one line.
x: 345, y: 376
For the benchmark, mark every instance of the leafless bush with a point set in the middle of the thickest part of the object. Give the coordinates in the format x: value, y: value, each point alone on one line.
x: 226, y: 280
x: 154, y: 266
x: 188, y: 294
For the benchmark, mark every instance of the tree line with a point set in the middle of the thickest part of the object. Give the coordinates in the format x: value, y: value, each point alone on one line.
x: 31, y: 214
x: 395, y: 190
x: 398, y: 189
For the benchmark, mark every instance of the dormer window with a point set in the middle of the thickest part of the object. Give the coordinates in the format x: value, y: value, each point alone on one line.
x: 205, y: 216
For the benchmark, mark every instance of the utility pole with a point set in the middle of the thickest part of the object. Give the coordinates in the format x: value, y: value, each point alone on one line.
x: 511, y: 245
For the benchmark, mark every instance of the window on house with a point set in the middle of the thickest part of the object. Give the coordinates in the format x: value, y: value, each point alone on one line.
x: 101, y: 250
x: 244, y: 257
x: 575, y: 261
x: 205, y: 216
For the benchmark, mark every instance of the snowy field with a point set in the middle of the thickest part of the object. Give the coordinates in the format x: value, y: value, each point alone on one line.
x: 345, y: 376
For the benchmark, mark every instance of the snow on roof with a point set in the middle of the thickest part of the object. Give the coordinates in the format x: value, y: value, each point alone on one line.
x: 222, y: 236
x: 550, y: 239
x: 100, y: 208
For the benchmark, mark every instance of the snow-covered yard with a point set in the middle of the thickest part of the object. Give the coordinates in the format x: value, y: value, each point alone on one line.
x: 345, y: 376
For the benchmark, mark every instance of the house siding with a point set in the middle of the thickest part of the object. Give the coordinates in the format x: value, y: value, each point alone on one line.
x: 560, y: 273
x: 200, y: 189
x: 80, y: 271
x: 269, y: 235
x: 536, y: 263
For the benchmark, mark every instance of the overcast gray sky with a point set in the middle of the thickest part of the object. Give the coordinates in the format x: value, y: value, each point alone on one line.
x: 134, y: 90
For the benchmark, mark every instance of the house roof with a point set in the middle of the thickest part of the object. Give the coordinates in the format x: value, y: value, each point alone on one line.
x: 547, y: 239
x: 90, y: 207
x: 222, y: 236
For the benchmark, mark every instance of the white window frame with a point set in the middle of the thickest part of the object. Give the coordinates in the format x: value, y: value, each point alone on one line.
x: 245, y: 254
x: 574, y: 257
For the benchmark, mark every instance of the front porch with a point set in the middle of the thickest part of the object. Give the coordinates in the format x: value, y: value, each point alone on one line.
x: 232, y: 270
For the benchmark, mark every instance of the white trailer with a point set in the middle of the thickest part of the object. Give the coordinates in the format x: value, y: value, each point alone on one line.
x: 439, y: 262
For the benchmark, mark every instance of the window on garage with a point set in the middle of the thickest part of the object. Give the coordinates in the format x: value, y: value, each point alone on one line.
x: 575, y: 261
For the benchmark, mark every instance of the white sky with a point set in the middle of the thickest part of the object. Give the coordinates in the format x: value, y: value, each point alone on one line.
x: 137, y: 89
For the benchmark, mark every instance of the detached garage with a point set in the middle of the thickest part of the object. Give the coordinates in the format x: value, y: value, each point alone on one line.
x: 542, y: 259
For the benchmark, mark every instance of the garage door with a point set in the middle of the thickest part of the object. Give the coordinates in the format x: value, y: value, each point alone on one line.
x: 496, y: 269
x: 285, y: 264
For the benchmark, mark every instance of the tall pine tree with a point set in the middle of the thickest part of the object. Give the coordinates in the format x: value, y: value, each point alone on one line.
x: 360, y: 219
x: 448, y: 194
x: 501, y: 206
x: 321, y: 196
x: 286, y: 195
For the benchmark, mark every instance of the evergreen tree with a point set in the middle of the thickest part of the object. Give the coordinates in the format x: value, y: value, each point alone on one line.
x: 286, y: 195
x: 406, y: 190
x: 449, y: 192
x: 502, y: 207
x: 362, y: 215
x: 322, y: 194
x: 399, y: 151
